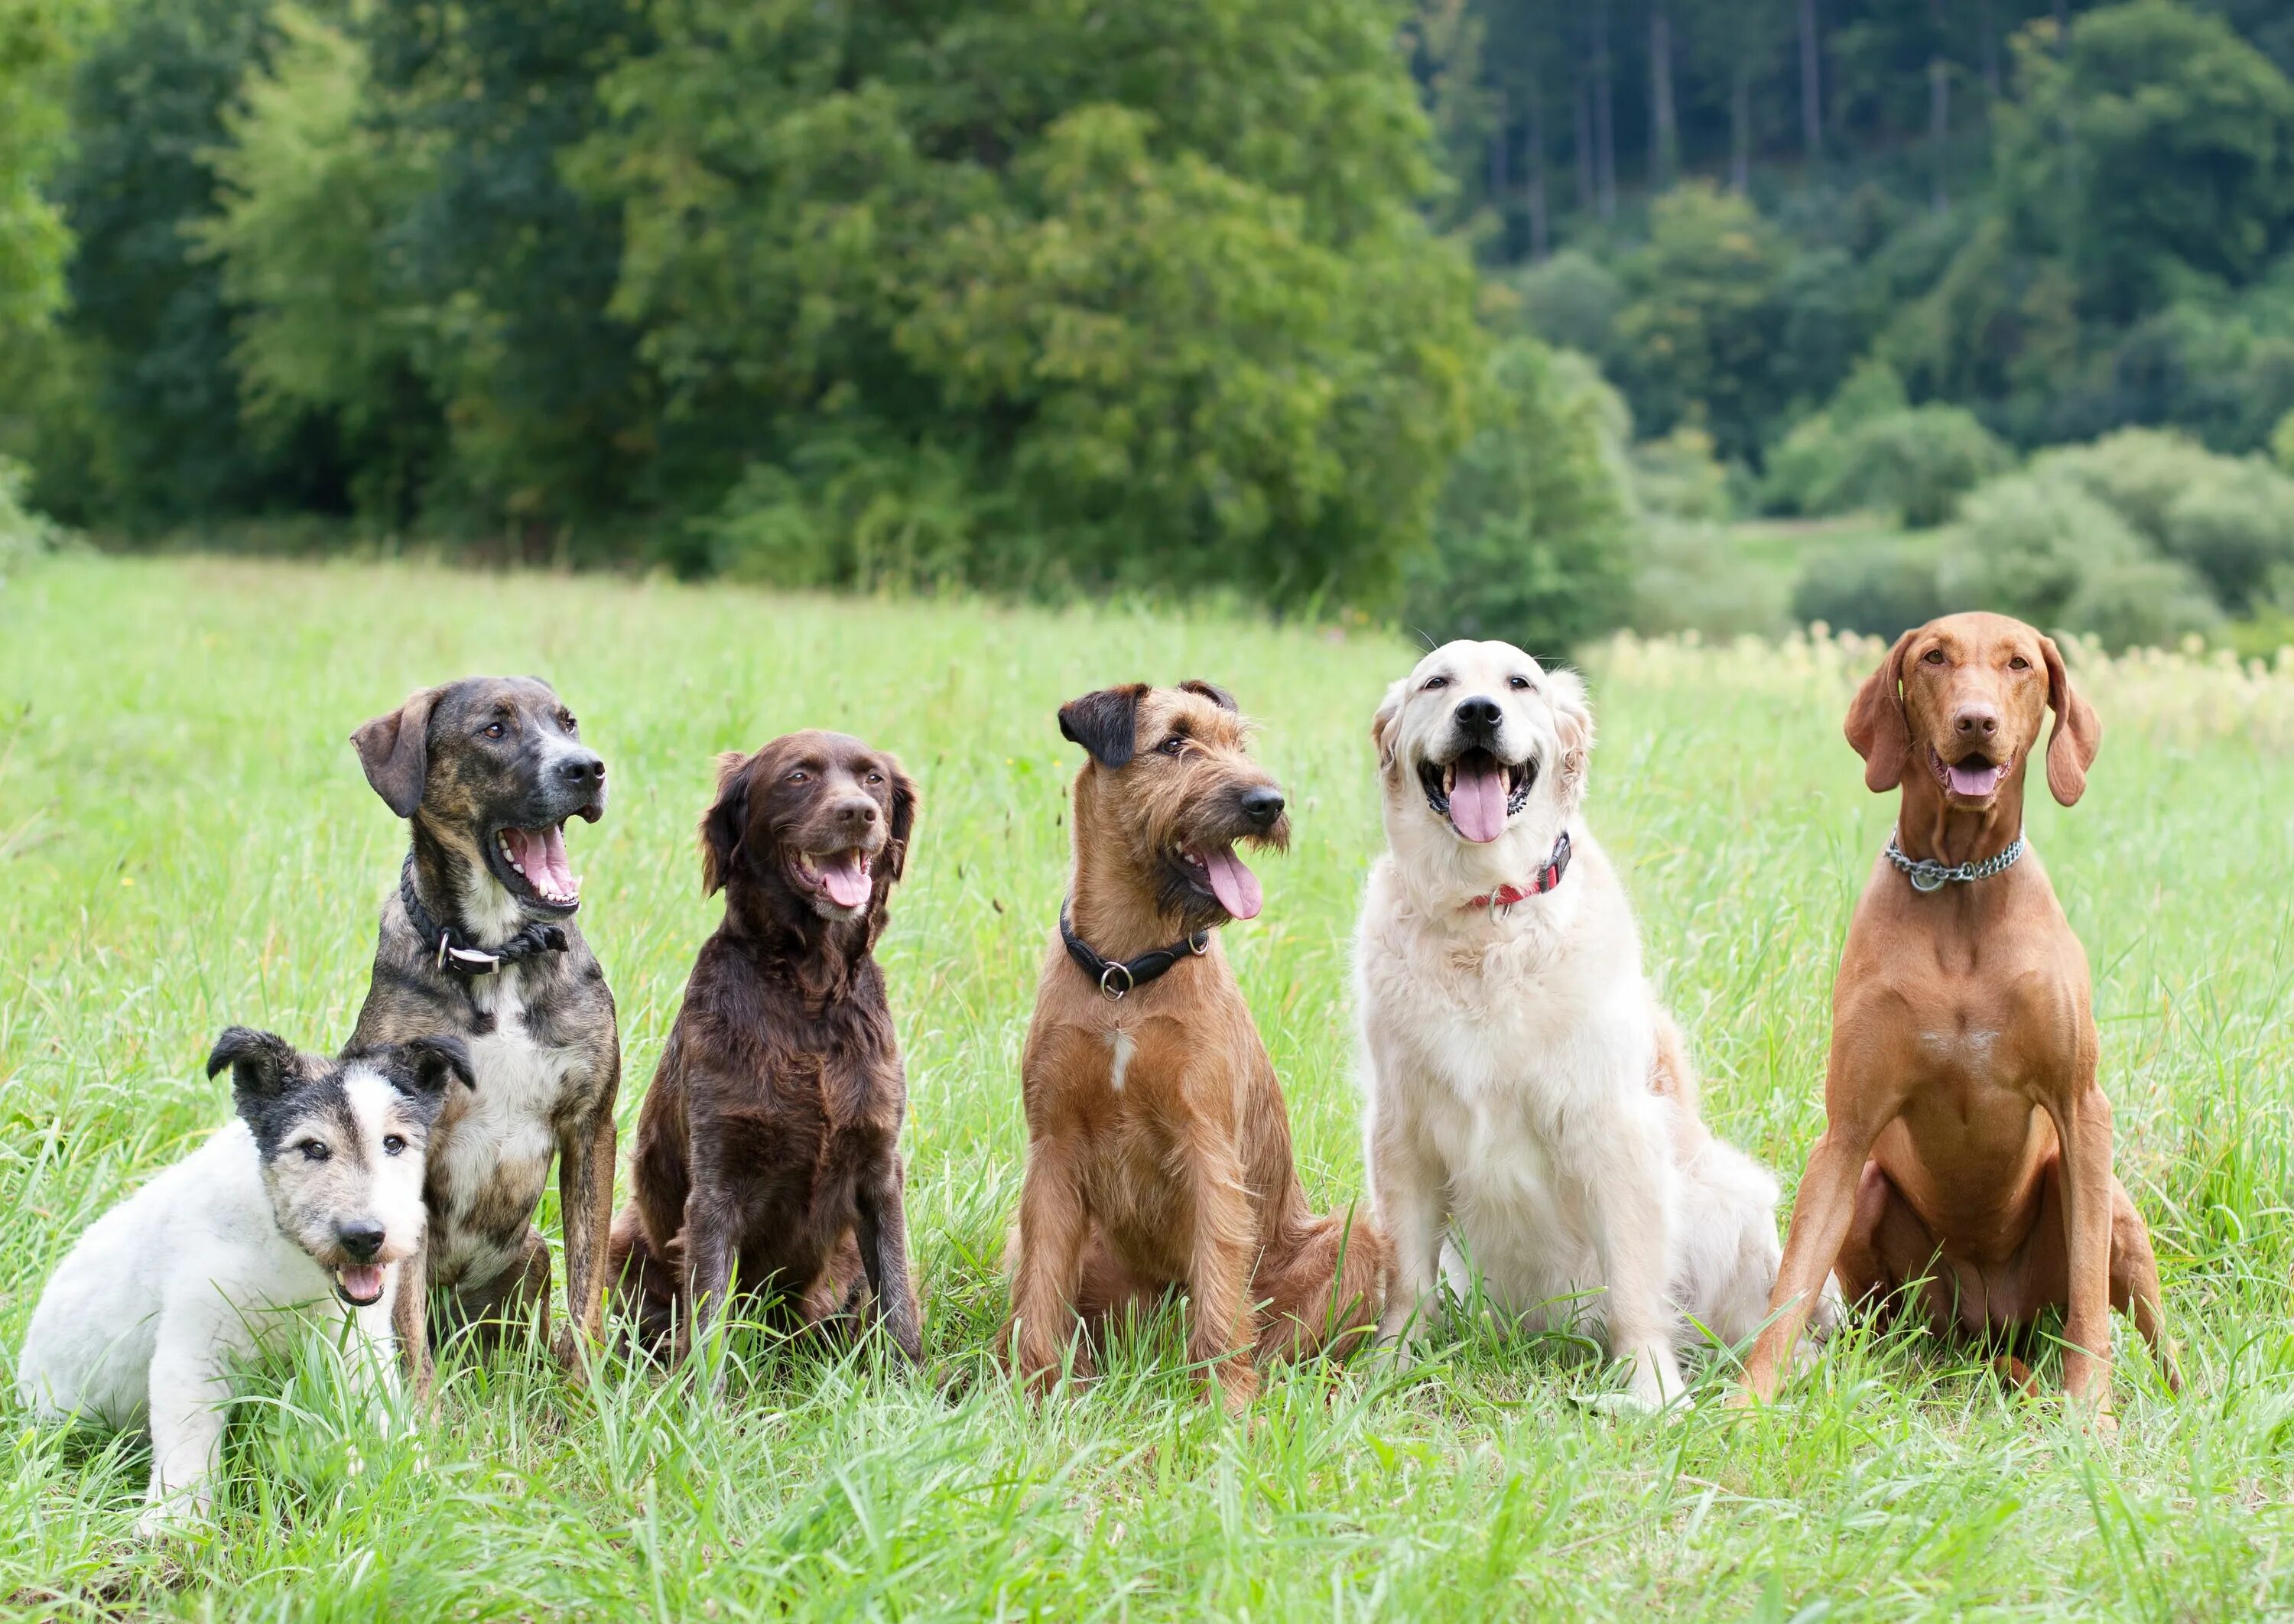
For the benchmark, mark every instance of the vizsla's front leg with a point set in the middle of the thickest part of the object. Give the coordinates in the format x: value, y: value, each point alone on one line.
x: 2084, y: 1128
x: 1821, y: 1212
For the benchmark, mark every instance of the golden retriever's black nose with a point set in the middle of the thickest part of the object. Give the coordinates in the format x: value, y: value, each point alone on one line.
x: 1262, y: 807
x: 361, y: 1238
x: 1479, y: 716
x: 584, y: 771
x: 1976, y: 721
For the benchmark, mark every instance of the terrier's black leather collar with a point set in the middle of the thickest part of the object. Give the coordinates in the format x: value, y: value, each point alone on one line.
x: 1131, y: 973
x: 453, y: 950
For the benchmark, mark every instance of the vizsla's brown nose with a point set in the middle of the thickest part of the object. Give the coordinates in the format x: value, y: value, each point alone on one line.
x: 1976, y: 721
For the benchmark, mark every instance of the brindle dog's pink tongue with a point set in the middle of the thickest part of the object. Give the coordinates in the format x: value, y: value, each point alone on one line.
x: 1478, y: 803
x: 553, y: 859
x: 1234, y: 885
x: 844, y: 880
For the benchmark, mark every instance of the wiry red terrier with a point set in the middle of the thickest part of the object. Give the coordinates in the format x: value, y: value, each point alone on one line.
x: 1159, y: 1150
x: 1964, y: 1168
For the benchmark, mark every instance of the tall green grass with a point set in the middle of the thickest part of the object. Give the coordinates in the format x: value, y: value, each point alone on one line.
x: 185, y: 841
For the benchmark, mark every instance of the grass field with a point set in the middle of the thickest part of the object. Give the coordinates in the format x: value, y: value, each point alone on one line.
x: 185, y: 841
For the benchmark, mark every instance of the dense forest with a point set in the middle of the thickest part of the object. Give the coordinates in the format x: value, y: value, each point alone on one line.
x: 1455, y: 312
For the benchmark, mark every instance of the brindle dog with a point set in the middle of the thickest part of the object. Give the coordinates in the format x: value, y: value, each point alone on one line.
x: 478, y: 941
x: 769, y: 1141
x: 1159, y: 1150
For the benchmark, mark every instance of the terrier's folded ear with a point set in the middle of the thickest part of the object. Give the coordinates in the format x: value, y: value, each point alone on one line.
x: 1107, y: 723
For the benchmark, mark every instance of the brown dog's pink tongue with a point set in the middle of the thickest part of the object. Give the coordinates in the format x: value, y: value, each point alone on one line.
x: 1478, y: 803
x: 1234, y: 885
x: 845, y: 879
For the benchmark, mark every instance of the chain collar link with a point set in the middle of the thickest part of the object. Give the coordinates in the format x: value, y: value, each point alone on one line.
x: 1928, y: 875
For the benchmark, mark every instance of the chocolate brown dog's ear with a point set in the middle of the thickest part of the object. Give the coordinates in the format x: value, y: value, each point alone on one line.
x: 1105, y: 723
x: 394, y: 749
x: 1388, y: 721
x: 1876, y: 726
x: 2078, y: 735
x: 1211, y: 691
x: 904, y: 817
x: 726, y: 821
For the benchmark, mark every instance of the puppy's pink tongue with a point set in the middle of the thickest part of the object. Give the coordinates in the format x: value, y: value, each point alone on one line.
x: 1478, y: 803
x: 845, y: 878
x: 1234, y: 885
x: 1967, y: 779
x: 362, y: 1282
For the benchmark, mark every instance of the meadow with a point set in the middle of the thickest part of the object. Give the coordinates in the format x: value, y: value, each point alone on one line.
x: 186, y: 841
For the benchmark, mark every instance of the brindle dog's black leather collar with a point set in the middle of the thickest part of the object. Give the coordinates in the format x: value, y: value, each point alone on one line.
x: 1133, y: 973
x: 453, y: 949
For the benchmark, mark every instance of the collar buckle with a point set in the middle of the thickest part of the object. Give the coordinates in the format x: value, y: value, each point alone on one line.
x: 1107, y: 980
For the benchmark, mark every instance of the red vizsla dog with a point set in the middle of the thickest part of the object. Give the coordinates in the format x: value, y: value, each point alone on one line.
x: 1966, y: 1150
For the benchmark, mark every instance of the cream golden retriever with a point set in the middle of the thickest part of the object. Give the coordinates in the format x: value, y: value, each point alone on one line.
x: 1531, y: 1114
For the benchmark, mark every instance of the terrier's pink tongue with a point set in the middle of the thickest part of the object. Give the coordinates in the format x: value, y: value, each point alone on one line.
x: 1478, y: 803
x: 1968, y: 779
x: 845, y: 878
x: 362, y: 1282
x: 1235, y: 886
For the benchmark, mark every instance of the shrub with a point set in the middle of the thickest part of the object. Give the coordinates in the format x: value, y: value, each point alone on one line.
x: 1916, y: 464
x: 2230, y: 518
x: 1692, y: 577
x: 1572, y: 301
x: 1680, y: 477
x: 1808, y: 458
x: 24, y: 531
x: 2026, y: 544
x: 2151, y: 603
x: 1878, y: 590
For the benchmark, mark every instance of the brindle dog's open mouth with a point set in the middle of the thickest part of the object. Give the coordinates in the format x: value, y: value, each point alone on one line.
x: 1975, y: 777
x: 1477, y: 793
x: 844, y: 877
x: 530, y: 864
x: 360, y: 1285
x: 1216, y: 870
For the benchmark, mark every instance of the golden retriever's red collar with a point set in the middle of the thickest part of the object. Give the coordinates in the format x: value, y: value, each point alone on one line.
x: 1543, y: 880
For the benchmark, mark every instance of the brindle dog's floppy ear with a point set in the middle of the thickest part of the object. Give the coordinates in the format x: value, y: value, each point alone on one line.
x: 394, y: 749
x: 262, y: 1064
x: 433, y: 1062
x: 904, y: 817
x: 1105, y: 723
x: 1876, y: 726
x: 726, y: 821
x: 2078, y: 735
x: 1383, y: 725
x: 1211, y: 691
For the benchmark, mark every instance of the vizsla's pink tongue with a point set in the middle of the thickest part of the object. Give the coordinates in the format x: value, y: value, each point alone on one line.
x: 1235, y: 886
x: 1973, y: 778
x: 845, y: 878
x: 1477, y: 802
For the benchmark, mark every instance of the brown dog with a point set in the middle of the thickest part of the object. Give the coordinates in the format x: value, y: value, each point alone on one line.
x: 1158, y: 1151
x: 1966, y: 1151
x: 767, y: 1147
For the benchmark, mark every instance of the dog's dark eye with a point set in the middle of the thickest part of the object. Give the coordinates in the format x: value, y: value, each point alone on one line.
x: 1173, y: 745
x: 392, y: 1144
x: 313, y: 1151
x: 568, y: 722
x: 798, y: 777
x: 875, y: 777
x: 1934, y: 656
x: 494, y: 730
x: 1432, y: 683
x: 1521, y: 683
x: 2019, y: 664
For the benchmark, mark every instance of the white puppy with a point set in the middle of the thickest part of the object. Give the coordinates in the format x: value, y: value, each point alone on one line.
x: 297, y: 1213
x: 1523, y: 1083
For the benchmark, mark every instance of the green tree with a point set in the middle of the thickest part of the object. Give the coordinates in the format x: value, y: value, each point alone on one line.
x: 36, y: 38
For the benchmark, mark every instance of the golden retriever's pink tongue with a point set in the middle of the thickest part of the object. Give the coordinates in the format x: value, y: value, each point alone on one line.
x: 362, y: 1282
x: 1234, y: 885
x: 844, y: 879
x: 1478, y: 803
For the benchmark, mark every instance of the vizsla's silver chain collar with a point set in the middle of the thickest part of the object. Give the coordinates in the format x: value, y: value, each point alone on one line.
x: 1927, y: 874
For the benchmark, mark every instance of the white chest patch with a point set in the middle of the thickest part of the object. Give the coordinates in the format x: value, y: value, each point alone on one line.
x: 497, y: 1152
x: 1121, y: 1047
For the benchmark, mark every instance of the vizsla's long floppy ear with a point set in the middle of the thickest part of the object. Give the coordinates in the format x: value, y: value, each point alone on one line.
x: 1105, y: 723
x: 726, y: 821
x: 1565, y: 692
x: 2078, y: 735
x: 394, y: 749
x: 904, y: 817
x: 1387, y: 723
x: 1876, y: 726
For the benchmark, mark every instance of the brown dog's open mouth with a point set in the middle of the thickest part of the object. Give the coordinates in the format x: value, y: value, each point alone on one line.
x: 1477, y: 793
x: 1225, y: 876
x: 360, y: 1285
x: 537, y: 858
x: 844, y: 877
x: 1973, y: 777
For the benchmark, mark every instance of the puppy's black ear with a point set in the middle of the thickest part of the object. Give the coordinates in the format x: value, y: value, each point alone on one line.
x: 904, y: 817
x: 725, y: 822
x: 434, y: 1063
x: 1211, y: 691
x: 394, y: 749
x: 1105, y: 723
x: 262, y: 1065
